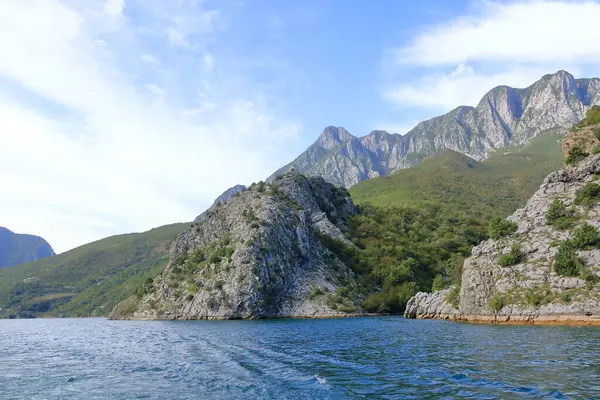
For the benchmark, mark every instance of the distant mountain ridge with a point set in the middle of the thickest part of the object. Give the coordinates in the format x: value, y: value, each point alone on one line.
x: 223, y: 198
x: 18, y: 249
x: 504, y: 116
x: 88, y: 280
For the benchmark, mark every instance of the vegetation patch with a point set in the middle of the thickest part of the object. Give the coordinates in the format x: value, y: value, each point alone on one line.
x: 401, y: 250
x: 439, y: 283
x: 146, y: 288
x: 497, y: 302
x: 575, y: 155
x: 538, y: 297
x: 249, y: 215
x: 558, y: 216
x: 586, y: 237
x: 567, y: 263
x: 588, y: 195
x: 315, y: 292
x: 453, y: 297
x: 513, y: 257
x: 592, y: 117
x: 128, y: 307
x: 500, y: 227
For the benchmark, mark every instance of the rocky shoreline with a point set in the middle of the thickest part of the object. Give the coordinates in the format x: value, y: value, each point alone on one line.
x: 531, y: 290
x: 218, y: 318
x: 568, y: 320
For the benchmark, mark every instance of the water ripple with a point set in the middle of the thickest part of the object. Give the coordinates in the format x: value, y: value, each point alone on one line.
x: 387, y: 358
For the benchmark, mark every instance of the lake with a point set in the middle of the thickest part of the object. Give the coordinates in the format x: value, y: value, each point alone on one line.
x: 379, y: 357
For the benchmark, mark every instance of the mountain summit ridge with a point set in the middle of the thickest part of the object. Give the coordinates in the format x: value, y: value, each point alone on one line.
x: 505, y: 116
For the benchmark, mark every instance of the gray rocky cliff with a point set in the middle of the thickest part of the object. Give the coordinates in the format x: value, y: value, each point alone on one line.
x: 259, y: 254
x: 530, y: 291
x: 504, y: 116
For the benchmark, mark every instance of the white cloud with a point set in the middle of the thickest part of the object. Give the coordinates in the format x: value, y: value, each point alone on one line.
x: 114, y: 7
x: 153, y: 88
x: 150, y: 59
x: 86, y: 151
x: 461, y: 86
x: 209, y: 62
x: 524, y: 31
x: 181, y: 20
x: 499, y: 43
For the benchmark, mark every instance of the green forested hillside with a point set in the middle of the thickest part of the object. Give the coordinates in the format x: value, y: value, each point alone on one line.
x: 498, y: 185
x: 88, y: 280
x: 412, y: 232
x: 416, y: 226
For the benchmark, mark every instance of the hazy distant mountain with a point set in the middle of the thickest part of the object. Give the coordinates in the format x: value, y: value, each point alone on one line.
x: 225, y: 197
x: 19, y: 249
x: 504, y: 116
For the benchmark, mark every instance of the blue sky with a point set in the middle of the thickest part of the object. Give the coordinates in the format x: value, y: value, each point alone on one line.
x: 123, y: 115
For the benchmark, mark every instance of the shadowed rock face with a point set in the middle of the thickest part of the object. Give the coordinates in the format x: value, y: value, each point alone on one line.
x: 530, y: 291
x: 504, y: 116
x: 18, y: 249
x: 259, y: 254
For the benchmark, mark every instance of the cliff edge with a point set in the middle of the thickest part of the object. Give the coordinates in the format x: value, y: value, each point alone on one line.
x: 256, y: 255
x: 543, y: 264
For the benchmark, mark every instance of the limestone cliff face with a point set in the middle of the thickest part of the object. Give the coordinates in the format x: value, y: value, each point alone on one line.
x: 532, y: 290
x: 504, y: 116
x: 259, y: 254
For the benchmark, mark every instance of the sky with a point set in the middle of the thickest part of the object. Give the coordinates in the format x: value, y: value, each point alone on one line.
x: 118, y: 116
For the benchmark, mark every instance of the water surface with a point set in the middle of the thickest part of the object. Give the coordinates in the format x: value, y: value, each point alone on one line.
x: 386, y: 357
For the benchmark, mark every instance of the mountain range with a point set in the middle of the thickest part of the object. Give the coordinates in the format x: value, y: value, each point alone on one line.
x: 477, y: 162
x: 20, y: 248
x: 505, y: 116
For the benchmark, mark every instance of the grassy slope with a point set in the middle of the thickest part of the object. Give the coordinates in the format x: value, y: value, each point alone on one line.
x: 496, y: 186
x: 88, y: 280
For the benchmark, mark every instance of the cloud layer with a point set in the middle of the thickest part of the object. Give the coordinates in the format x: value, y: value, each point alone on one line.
x: 529, y: 31
x: 510, y: 43
x: 103, y: 130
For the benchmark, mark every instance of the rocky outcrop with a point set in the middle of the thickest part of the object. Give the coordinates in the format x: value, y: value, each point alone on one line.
x: 431, y: 305
x: 504, y: 116
x: 224, y: 197
x: 262, y: 253
x: 18, y: 249
x: 531, y: 290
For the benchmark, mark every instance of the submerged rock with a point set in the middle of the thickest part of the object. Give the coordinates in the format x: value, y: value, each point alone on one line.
x: 259, y: 254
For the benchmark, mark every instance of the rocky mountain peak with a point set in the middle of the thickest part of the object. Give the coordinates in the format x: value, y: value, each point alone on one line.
x: 332, y: 137
x: 259, y: 254
x: 505, y: 116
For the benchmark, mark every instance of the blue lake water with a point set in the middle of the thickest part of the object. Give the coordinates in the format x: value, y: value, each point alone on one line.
x: 386, y: 357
